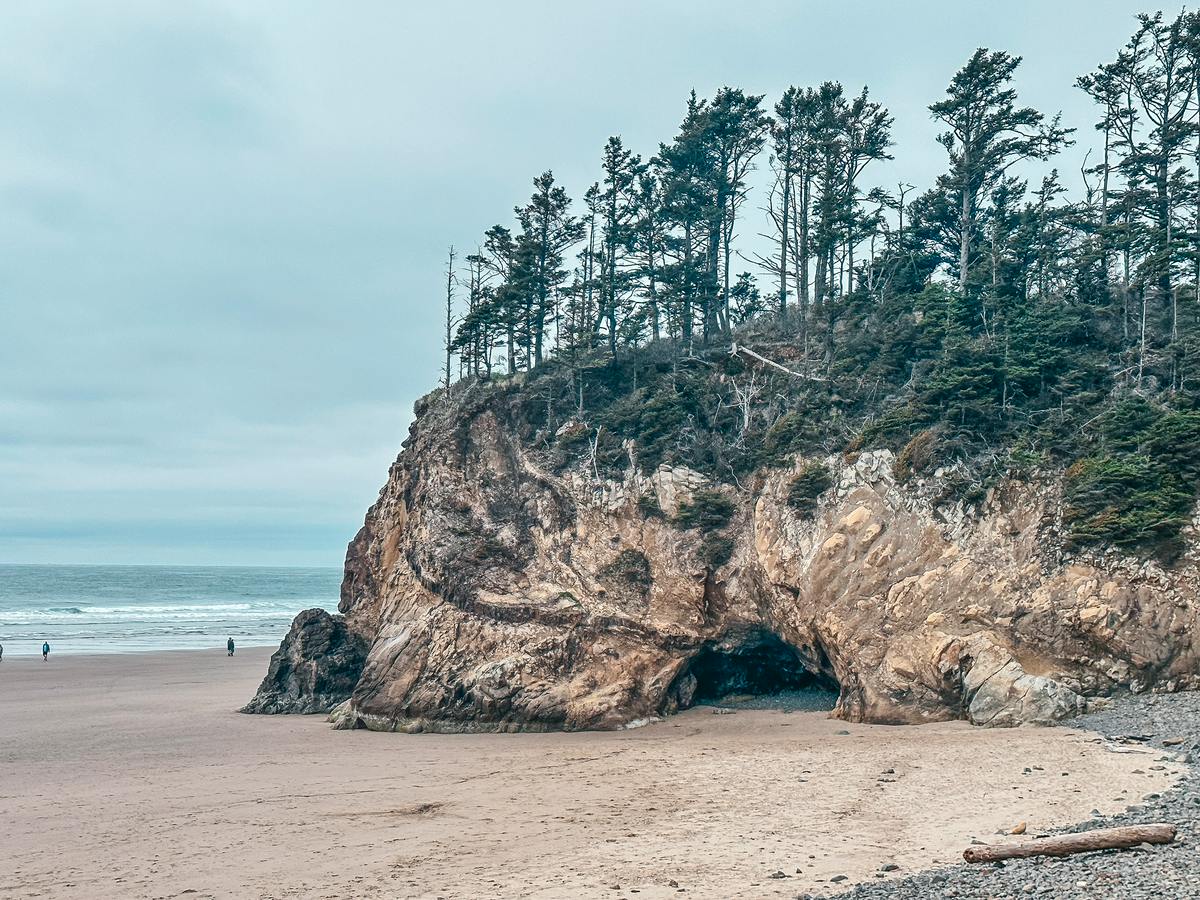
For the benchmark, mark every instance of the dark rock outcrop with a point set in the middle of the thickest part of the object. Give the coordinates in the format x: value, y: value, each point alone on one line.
x: 315, y: 668
x: 498, y: 592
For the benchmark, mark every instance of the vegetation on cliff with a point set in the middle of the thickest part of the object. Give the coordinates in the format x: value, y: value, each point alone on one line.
x: 989, y: 323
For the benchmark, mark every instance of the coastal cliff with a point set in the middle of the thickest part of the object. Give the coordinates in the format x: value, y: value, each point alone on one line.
x: 944, y: 459
x: 506, y: 580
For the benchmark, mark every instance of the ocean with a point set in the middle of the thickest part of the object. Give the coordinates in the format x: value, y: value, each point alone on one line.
x: 122, y: 609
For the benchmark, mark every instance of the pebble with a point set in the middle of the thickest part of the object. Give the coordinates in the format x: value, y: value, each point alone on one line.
x: 1167, y: 873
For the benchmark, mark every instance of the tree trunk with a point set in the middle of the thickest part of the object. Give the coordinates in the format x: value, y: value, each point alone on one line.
x: 653, y: 288
x: 1164, y: 233
x: 713, y: 277
x: 589, y: 275
x: 964, y: 242
x: 543, y: 297
x: 1126, y: 263
x: 449, y: 311
x: 610, y: 289
x: 819, y: 289
x: 726, y: 242
x: 784, y: 237
x: 685, y: 318
x: 805, y: 192
x: 1142, y: 342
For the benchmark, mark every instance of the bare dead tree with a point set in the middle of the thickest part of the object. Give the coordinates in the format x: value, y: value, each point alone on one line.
x: 449, y: 338
x: 745, y: 396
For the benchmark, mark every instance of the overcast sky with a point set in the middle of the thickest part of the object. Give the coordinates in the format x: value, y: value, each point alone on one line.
x: 222, y: 225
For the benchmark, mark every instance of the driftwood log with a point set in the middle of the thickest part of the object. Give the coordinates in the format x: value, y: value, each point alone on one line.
x: 735, y: 349
x: 1083, y: 842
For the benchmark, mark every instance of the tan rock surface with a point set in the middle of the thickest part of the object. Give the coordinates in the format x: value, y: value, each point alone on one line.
x: 499, y: 595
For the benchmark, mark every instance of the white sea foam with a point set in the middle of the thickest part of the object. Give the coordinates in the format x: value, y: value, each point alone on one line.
x: 97, y: 609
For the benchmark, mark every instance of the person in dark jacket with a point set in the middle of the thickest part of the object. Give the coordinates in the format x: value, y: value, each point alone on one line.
x: 229, y: 646
x: 45, y: 650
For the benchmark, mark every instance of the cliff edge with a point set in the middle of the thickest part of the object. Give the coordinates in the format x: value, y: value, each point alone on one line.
x: 504, y: 580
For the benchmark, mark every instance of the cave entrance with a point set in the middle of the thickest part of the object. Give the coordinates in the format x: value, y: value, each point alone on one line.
x: 756, y: 669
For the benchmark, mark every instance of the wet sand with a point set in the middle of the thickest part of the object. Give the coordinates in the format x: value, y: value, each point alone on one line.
x: 133, y: 777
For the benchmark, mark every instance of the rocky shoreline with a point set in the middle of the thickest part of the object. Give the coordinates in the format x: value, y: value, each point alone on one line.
x: 1171, y: 871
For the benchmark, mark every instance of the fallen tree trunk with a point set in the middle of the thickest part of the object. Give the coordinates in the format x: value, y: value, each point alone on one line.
x: 1083, y: 842
x: 734, y: 350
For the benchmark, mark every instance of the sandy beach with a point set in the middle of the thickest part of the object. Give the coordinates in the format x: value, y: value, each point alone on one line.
x: 134, y: 776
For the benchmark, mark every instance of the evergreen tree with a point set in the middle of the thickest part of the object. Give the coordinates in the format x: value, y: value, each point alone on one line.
x: 1150, y: 97
x: 547, y: 232
x: 649, y: 247
x: 735, y: 128
x: 684, y: 171
x: 987, y: 134
x: 619, y: 200
x: 985, y: 325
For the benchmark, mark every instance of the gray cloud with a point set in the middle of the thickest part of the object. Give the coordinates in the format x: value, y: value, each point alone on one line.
x: 223, y: 224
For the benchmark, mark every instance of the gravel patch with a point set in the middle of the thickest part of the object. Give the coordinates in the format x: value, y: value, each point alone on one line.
x: 1166, y: 722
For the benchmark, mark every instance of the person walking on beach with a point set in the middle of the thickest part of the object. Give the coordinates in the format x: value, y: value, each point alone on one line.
x: 1, y: 652
x: 229, y: 646
x: 45, y: 651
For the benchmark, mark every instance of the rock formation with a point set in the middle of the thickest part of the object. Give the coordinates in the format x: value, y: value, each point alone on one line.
x: 498, y: 592
x: 316, y: 668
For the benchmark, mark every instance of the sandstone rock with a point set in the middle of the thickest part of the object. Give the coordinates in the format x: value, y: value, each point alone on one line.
x: 496, y: 594
x: 998, y: 691
x: 315, y: 668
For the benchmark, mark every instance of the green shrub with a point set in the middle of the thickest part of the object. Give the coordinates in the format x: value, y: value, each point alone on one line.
x: 1142, y: 492
x: 1022, y: 460
x: 918, y: 455
x: 1126, y: 500
x: 1173, y: 442
x: 654, y: 416
x: 708, y: 510
x: 716, y: 549
x: 791, y: 434
x: 648, y: 506
x: 806, y: 488
x: 891, y: 429
x: 630, y: 567
x: 968, y: 487
x: 1122, y: 426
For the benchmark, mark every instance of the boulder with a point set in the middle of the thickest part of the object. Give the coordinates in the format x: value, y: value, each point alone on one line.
x: 315, y: 668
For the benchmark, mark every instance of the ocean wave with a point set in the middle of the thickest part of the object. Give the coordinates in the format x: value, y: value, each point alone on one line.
x: 113, y: 615
x: 110, y: 608
x: 168, y: 607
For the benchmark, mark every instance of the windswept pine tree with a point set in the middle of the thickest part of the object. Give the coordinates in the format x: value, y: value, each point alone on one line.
x: 987, y: 134
x: 1004, y: 317
x: 619, y: 212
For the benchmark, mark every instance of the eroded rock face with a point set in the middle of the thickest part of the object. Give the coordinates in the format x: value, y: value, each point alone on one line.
x: 497, y: 595
x: 315, y: 668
